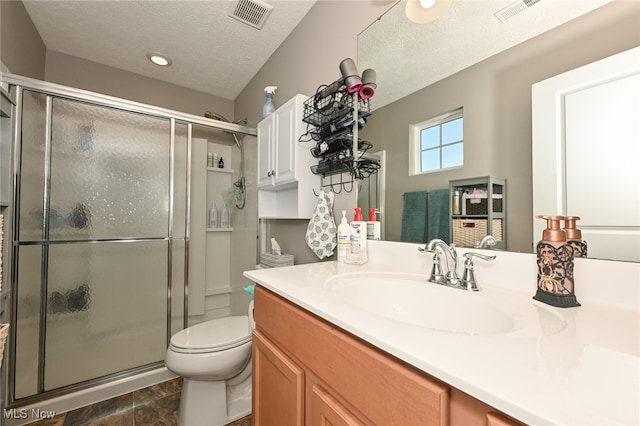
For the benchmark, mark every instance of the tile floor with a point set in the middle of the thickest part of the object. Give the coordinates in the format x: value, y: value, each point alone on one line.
x: 156, y: 405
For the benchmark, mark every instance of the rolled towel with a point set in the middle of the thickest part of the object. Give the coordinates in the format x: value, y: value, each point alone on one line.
x: 321, y: 232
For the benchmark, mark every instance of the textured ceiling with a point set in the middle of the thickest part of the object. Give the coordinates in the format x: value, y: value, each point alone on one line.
x: 211, y: 52
x: 408, y: 56
x: 216, y: 54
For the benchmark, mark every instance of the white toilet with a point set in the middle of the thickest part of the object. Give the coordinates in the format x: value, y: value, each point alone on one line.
x: 214, y: 358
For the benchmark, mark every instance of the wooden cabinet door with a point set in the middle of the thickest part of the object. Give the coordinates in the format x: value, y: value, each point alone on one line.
x: 278, y: 386
x: 327, y: 411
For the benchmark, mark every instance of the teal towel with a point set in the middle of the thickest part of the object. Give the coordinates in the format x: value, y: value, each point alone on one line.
x: 425, y: 215
x: 438, y: 220
x: 414, y: 217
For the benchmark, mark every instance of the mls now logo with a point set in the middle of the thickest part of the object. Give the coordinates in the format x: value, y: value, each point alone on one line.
x: 23, y: 413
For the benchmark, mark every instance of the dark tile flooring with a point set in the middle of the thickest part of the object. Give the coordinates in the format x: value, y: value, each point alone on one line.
x: 156, y: 405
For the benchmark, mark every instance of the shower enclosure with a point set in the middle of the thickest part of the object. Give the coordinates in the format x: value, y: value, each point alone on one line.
x: 99, y: 236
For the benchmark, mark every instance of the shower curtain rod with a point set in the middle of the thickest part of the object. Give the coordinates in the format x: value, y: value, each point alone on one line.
x: 111, y: 101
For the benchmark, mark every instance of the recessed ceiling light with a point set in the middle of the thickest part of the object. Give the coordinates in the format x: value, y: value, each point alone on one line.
x: 159, y: 59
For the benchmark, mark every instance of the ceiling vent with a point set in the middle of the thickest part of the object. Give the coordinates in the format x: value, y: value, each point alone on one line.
x: 514, y: 8
x: 250, y: 12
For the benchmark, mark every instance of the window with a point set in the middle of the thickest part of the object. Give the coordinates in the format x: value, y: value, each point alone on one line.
x: 437, y: 143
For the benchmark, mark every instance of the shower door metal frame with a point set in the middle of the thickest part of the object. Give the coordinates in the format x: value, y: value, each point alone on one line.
x: 17, y: 85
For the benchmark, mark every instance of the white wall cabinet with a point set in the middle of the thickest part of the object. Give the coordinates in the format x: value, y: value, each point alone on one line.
x: 285, y: 182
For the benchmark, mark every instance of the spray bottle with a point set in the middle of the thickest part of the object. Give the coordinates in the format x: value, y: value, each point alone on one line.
x: 269, y: 106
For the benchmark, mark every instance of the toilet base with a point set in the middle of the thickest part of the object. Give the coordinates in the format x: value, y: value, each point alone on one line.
x: 212, y: 403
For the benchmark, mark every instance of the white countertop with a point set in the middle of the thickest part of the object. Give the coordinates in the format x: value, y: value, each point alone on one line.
x: 584, y: 372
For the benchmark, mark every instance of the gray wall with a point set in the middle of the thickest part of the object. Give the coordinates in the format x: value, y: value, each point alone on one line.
x: 496, y: 96
x: 80, y: 73
x: 21, y: 48
x: 308, y: 58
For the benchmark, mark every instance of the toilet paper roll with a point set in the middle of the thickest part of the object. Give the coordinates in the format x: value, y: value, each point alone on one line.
x: 252, y: 322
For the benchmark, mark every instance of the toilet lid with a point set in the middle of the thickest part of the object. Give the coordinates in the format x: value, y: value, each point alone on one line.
x: 212, y: 336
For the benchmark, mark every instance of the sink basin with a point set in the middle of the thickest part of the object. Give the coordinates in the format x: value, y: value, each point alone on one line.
x: 411, y: 299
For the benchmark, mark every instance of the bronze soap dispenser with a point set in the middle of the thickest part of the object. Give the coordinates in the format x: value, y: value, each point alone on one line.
x: 555, y: 266
x: 574, y: 236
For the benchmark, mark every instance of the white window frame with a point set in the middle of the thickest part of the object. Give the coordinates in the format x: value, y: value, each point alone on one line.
x: 415, y: 146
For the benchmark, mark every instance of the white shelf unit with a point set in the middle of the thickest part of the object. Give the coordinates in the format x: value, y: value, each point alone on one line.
x: 478, y: 215
x: 210, y: 259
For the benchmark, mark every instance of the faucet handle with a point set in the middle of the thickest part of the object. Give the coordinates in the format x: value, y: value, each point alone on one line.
x: 471, y: 254
x: 468, y: 279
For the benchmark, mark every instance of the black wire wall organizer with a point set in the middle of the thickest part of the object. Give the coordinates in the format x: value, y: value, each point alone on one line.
x: 332, y: 115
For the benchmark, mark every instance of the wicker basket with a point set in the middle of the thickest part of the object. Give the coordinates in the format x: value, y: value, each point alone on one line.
x: 467, y: 232
x: 4, y: 332
x: 477, y: 204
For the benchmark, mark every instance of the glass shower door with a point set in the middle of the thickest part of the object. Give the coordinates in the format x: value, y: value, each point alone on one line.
x: 95, y: 243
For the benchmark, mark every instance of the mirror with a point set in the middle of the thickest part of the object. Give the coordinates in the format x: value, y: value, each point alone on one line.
x: 464, y: 59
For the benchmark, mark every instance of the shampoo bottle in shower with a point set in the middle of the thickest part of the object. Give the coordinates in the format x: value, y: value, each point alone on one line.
x: 269, y: 106
x: 213, y: 216
x: 224, y: 216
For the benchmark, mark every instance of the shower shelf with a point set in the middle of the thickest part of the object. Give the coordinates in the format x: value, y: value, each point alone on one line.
x: 219, y: 229
x: 218, y: 170
x: 217, y: 291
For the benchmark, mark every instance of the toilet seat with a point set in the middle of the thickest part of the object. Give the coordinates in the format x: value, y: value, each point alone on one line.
x: 213, y: 336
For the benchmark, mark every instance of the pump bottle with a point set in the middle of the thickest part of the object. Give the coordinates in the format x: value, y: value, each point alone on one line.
x: 344, y: 238
x: 373, y: 225
x: 269, y: 106
x: 574, y: 236
x: 358, y: 227
x: 555, y: 266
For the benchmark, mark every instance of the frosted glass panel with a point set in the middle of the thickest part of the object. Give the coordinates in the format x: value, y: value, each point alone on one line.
x: 97, y: 311
x: 32, y: 166
x: 28, y: 320
x: 109, y: 172
x: 177, y: 286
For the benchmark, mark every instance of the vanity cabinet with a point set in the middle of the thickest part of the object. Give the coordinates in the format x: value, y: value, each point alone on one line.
x: 307, y: 371
x: 478, y: 208
x: 285, y: 181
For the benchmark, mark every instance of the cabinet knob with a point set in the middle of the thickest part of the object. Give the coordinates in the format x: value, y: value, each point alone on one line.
x: 269, y: 173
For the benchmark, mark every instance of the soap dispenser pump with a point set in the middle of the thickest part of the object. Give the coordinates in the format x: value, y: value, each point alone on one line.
x: 574, y: 236
x: 555, y: 266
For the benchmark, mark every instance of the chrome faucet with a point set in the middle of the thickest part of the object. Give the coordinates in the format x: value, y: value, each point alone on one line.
x: 486, y: 242
x: 451, y: 278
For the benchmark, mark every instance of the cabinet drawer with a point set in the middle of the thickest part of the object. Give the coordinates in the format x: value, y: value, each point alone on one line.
x: 383, y: 389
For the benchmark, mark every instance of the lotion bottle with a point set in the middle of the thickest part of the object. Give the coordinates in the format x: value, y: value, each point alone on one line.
x: 344, y: 238
x: 358, y: 252
x: 373, y: 225
x: 213, y: 216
